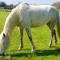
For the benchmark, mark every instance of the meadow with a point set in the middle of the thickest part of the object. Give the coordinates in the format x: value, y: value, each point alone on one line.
x: 41, y: 38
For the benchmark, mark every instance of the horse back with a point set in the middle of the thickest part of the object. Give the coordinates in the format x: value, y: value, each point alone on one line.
x: 36, y: 15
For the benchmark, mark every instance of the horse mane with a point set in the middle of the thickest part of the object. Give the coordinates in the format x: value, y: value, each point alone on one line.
x: 10, y: 23
x: 12, y: 19
x: 23, y: 5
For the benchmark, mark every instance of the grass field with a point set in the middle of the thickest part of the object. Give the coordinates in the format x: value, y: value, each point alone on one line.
x: 41, y: 38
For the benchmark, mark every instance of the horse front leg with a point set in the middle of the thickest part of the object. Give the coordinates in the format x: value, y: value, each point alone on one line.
x: 21, y: 40
x: 30, y: 37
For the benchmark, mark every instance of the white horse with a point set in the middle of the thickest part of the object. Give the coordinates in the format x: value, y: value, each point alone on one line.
x: 27, y: 16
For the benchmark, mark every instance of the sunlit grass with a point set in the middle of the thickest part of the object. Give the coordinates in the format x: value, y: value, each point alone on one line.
x: 41, y: 38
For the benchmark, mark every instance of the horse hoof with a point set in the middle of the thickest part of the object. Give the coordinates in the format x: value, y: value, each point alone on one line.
x: 20, y: 48
x: 33, y: 49
x: 56, y: 42
x: 50, y: 46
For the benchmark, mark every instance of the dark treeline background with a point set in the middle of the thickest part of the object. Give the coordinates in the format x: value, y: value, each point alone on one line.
x: 5, y: 6
x: 11, y: 6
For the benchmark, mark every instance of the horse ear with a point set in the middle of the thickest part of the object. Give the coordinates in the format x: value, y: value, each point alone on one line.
x: 3, y: 34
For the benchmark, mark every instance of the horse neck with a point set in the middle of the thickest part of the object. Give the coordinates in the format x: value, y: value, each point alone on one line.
x: 9, y: 25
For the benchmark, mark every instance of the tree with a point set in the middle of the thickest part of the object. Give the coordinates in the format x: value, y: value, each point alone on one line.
x: 57, y: 5
x: 2, y: 4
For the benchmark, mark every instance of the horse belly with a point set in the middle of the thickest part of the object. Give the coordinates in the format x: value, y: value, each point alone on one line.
x: 39, y: 20
x: 37, y: 24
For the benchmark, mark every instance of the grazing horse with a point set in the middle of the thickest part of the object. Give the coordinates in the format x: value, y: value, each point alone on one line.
x: 27, y: 16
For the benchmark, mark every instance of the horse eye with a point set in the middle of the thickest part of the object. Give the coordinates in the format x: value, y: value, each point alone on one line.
x: 3, y: 34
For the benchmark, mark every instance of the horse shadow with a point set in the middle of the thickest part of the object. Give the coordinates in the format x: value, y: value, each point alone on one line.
x: 37, y: 53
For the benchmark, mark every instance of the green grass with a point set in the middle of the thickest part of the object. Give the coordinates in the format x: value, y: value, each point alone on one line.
x: 41, y: 38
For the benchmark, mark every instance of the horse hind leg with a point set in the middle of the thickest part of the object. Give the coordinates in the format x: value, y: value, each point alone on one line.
x: 50, y: 43
x: 53, y: 34
x: 55, y: 37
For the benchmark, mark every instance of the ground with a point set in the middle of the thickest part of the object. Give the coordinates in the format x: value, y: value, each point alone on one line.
x: 41, y: 38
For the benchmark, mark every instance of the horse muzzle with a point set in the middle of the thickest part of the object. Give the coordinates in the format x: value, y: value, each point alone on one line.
x: 2, y: 54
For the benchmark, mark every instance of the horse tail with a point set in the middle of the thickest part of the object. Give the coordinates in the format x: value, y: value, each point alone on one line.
x: 58, y: 25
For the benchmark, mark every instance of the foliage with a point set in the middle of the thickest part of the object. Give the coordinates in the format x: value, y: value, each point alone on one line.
x: 5, y: 6
x: 2, y: 4
x: 57, y: 4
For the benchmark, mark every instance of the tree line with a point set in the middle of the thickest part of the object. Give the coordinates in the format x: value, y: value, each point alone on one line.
x: 57, y: 5
x: 11, y: 6
x: 5, y: 6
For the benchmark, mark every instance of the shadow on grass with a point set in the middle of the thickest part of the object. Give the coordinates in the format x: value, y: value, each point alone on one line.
x: 37, y: 53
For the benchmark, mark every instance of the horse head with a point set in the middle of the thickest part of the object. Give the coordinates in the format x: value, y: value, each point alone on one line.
x: 3, y: 43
